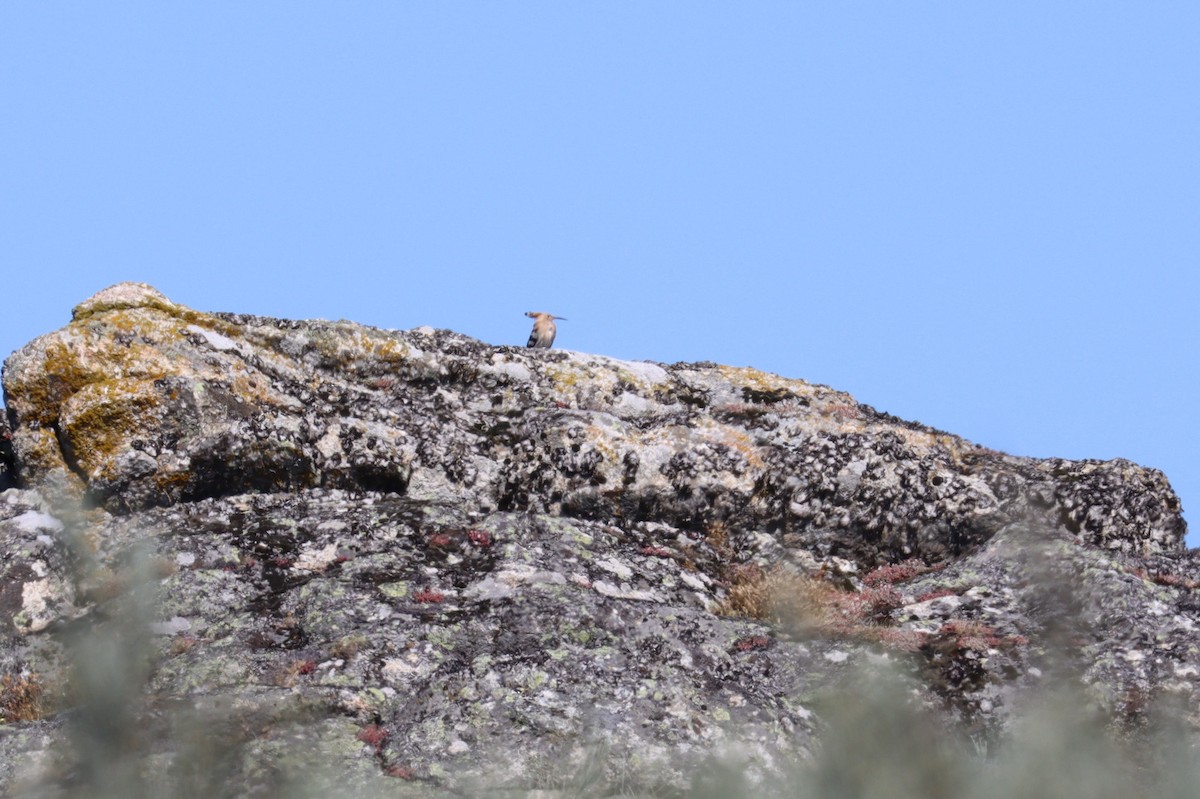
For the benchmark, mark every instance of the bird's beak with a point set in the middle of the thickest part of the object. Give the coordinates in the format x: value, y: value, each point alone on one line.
x: 565, y: 319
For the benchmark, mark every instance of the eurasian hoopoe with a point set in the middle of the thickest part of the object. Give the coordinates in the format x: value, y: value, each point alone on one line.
x: 543, y: 329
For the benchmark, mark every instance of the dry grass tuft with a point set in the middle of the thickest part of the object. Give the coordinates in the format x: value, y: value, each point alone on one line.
x: 717, y: 537
x: 795, y: 602
x: 807, y: 606
x: 22, y: 698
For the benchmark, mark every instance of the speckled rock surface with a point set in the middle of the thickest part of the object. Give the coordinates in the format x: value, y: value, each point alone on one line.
x: 440, y: 563
x: 7, y: 477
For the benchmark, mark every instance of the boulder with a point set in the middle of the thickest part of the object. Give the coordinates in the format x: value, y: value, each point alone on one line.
x: 421, y: 560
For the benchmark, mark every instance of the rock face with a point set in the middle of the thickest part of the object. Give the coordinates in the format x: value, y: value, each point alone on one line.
x: 7, y: 478
x: 427, y: 561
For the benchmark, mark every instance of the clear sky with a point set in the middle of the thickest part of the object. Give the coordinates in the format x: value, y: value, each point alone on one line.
x: 981, y: 216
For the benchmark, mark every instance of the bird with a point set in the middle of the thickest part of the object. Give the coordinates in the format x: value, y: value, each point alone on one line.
x: 542, y: 336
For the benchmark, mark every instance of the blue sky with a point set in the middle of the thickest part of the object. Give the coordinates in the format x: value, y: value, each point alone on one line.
x: 985, y: 217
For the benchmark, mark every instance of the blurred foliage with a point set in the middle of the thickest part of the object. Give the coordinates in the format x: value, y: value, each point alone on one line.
x: 878, y: 739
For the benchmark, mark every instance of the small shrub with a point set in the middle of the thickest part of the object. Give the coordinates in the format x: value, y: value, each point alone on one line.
x: 807, y: 606
x: 779, y: 596
x: 873, y: 602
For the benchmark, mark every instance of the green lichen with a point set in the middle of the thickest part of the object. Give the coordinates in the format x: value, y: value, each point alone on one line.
x: 441, y: 638
x: 397, y: 590
x: 337, y: 680
x: 345, y: 344
x: 564, y: 378
x: 373, y: 697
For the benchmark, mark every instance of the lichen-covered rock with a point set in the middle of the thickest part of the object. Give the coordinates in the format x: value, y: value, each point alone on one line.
x: 472, y: 565
x: 8, y: 478
x: 142, y: 403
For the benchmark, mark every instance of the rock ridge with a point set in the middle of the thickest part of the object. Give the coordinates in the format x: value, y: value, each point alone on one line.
x: 487, y: 554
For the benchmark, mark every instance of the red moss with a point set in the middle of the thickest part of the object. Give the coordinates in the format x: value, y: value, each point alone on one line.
x: 843, y: 411
x: 283, y: 562
x: 870, y: 603
x: 181, y: 643
x: 751, y: 642
x: 480, y: 538
x: 903, y: 640
x: 440, y: 541
x: 305, y: 666
x: 429, y: 595
x: 373, y: 735
x: 1164, y: 578
x: 400, y: 772
x: 656, y: 552
x: 978, y: 636
x: 892, y: 573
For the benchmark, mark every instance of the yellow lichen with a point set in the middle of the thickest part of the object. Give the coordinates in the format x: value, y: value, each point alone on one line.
x: 40, y: 452
x: 84, y: 312
x: 740, y: 442
x: 102, y: 416
x: 747, y: 377
x: 563, y: 378
x: 254, y: 389
x: 80, y: 357
x: 385, y: 348
x: 60, y: 377
x: 173, y: 485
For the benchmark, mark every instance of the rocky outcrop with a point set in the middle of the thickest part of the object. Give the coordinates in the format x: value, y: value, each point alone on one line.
x: 432, y: 559
x: 7, y: 461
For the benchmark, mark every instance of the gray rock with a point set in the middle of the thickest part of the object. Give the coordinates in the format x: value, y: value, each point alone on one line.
x: 412, y: 556
x: 8, y: 478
